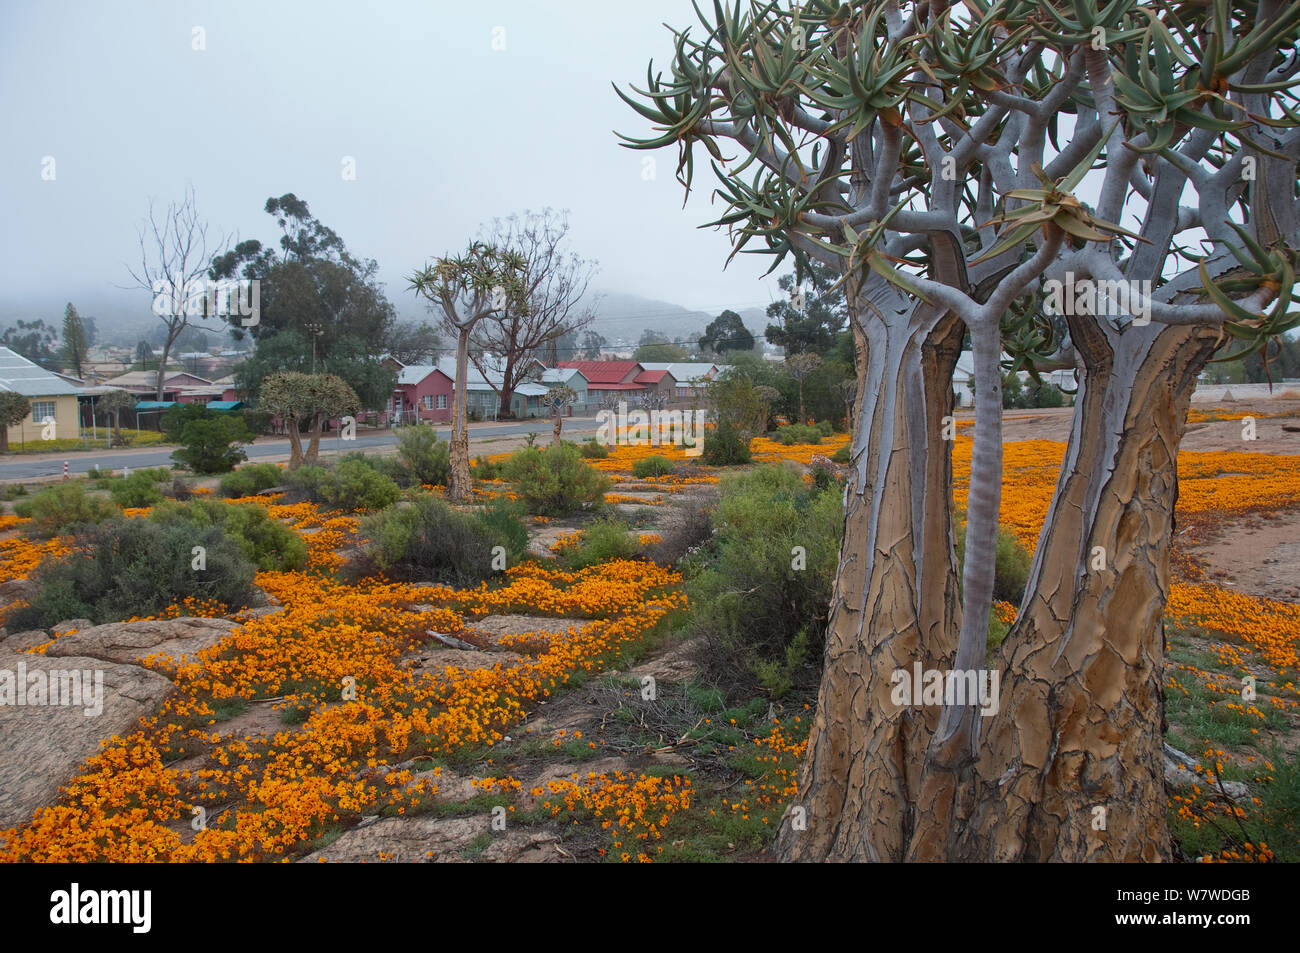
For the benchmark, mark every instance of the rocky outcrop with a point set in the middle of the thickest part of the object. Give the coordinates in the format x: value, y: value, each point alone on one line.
x: 44, y: 742
x: 430, y: 839
x: 129, y: 642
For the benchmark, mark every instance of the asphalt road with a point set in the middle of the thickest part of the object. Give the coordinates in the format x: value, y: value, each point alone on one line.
x: 81, y: 461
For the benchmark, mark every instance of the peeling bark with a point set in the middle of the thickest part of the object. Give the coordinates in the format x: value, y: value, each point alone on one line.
x: 1082, y: 668
x: 895, y: 600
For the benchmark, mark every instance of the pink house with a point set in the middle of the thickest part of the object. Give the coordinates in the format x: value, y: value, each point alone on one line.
x: 423, y: 393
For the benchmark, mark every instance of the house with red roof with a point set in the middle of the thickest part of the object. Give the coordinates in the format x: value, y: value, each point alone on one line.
x: 658, y: 381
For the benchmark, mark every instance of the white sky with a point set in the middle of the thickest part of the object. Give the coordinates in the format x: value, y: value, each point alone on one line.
x: 446, y: 133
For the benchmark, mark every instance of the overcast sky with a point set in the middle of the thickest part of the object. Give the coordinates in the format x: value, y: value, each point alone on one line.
x: 446, y: 133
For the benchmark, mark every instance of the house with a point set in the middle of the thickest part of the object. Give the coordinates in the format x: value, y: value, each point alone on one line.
x: 180, y: 386
x: 692, y: 378
x: 658, y: 382
x: 571, y: 378
x: 424, y: 393
x: 609, y: 379
x: 52, y: 398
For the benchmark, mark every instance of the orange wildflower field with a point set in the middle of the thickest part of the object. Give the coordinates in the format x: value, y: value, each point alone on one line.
x: 273, y: 796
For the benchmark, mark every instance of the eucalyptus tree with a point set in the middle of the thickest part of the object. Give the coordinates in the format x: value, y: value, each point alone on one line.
x: 466, y: 289
x: 921, y: 150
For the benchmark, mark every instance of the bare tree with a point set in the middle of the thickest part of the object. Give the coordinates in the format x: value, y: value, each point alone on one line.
x: 800, y: 366
x: 555, y: 295
x: 174, y: 258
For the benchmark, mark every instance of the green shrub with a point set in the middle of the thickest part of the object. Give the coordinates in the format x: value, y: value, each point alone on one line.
x: 505, y: 518
x: 354, y: 485
x: 258, y: 421
x: 485, y: 469
x: 133, y: 567
x: 602, y: 540
x: 555, y: 481
x: 798, y: 433
x: 761, y: 609
x: 592, y: 450
x: 725, y: 446
x: 842, y: 455
x: 825, y: 428
x: 250, y: 479
x: 59, y: 508
x: 267, y: 542
x: 429, y: 540
x: 306, y: 482
x: 139, y: 489
x: 425, y: 457
x: 652, y: 466
x: 211, y: 443
x: 1010, y: 566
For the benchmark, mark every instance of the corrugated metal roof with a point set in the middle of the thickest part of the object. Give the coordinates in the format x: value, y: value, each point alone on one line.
x: 21, y: 376
x: 684, y: 372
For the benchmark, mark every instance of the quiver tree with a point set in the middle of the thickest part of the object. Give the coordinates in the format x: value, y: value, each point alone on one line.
x: 557, y: 401
x: 920, y: 149
x: 465, y: 290
x: 310, y: 399
x: 113, y: 403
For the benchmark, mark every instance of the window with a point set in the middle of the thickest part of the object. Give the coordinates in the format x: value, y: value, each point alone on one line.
x: 442, y: 401
x: 428, y: 402
x: 42, y: 409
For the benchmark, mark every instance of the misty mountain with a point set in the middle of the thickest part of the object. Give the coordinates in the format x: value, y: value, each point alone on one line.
x: 624, y: 317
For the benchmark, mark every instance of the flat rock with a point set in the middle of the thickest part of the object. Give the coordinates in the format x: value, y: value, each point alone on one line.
x: 129, y: 642
x: 44, y: 746
x: 430, y: 839
x: 22, y: 641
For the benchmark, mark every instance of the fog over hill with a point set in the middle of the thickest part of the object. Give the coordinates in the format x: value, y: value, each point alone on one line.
x: 123, y: 316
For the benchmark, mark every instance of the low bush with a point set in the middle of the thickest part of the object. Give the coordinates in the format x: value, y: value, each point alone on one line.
x: 250, y: 479
x: 354, y: 485
x: 210, y: 440
x: 825, y: 428
x: 63, y: 507
x: 267, y: 542
x: 485, y: 469
x: 427, y: 539
x: 1010, y: 566
x: 426, y: 458
x: 555, y: 481
x: 842, y: 454
x: 602, y: 540
x: 799, y: 433
x: 141, y: 488
x: 725, y: 446
x: 653, y: 466
x: 305, y: 483
x: 761, y: 603
x: 591, y: 450
x: 128, y: 568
